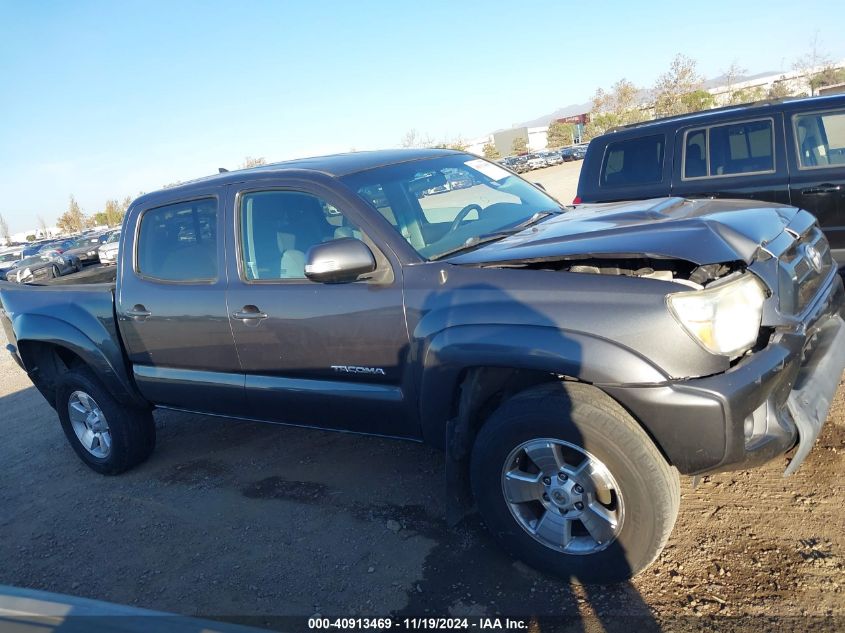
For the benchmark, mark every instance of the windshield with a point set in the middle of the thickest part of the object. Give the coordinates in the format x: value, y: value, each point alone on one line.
x: 441, y: 204
x: 113, y: 238
x: 8, y: 257
x: 33, y: 261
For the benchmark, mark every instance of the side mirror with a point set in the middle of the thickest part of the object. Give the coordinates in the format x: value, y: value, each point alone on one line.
x: 339, y: 261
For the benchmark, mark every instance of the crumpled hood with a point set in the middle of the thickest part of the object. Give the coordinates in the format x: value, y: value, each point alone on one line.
x: 698, y: 231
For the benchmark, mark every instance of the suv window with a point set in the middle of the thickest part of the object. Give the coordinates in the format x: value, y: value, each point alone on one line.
x: 637, y: 161
x: 821, y: 139
x: 179, y: 242
x: 278, y: 227
x: 726, y: 150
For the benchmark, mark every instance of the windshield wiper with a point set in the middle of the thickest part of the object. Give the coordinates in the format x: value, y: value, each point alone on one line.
x: 478, y: 240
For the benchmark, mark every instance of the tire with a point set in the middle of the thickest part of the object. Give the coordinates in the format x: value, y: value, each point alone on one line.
x: 131, y: 431
x: 55, y: 273
x: 587, y: 424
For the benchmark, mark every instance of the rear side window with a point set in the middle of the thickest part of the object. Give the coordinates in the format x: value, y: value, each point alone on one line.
x: 729, y: 150
x: 179, y: 242
x: 637, y: 161
x: 821, y: 139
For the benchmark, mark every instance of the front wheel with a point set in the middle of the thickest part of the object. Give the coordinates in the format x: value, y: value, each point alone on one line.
x: 568, y: 482
x: 109, y: 437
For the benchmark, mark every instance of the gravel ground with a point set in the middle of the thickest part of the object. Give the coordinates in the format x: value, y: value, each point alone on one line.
x: 229, y: 519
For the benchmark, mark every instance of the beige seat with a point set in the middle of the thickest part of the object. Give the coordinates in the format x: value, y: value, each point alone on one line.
x: 292, y: 263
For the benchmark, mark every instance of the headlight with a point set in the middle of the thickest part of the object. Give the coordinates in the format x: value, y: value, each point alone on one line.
x: 725, y: 319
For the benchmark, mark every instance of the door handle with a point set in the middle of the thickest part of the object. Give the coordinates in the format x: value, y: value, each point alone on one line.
x: 825, y: 188
x: 138, y: 313
x: 249, y: 313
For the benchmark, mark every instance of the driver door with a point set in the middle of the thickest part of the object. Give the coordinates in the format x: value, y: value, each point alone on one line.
x: 324, y: 355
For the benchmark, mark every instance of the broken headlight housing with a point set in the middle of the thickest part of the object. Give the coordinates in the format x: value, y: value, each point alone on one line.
x: 724, y: 317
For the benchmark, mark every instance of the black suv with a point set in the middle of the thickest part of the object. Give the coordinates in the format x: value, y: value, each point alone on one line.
x: 790, y: 151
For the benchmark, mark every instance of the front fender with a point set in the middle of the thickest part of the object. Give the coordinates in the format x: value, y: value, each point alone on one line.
x: 548, y: 349
x: 104, y: 356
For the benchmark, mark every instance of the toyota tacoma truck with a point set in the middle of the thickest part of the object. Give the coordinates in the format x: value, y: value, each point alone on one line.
x: 571, y: 362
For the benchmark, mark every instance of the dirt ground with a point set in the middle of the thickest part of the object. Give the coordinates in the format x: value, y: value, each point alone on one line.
x: 231, y: 519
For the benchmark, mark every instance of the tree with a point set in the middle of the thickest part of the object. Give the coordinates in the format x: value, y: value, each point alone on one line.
x: 748, y: 95
x: 456, y: 143
x: 519, y: 145
x: 679, y: 90
x: 412, y: 138
x: 4, y: 229
x: 490, y: 152
x: 42, y: 225
x: 249, y: 161
x: 620, y: 106
x: 72, y: 220
x: 731, y: 75
x: 30, y: 238
x: 829, y: 76
x: 809, y: 63
x: 559, y: 134
x: 112, y: 213
x: 779, y: 89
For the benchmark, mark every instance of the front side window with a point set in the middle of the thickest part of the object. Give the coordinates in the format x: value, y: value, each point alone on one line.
x: 179, y: 242
x: 441, y: 204
x: 278, y: 227
x: 729, y: 150
x: 637, y: 161
x: 821, y: 139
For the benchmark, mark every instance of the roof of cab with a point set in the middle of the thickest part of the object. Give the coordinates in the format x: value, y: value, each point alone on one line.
x: 334, y: 165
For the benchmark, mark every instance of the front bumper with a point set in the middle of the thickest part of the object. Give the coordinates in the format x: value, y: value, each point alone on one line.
x: 760, y: 408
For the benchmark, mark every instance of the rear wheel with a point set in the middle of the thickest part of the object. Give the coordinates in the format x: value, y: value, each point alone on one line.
x: 109, y: 437
x: 568, y: 482
x: 54, y: 273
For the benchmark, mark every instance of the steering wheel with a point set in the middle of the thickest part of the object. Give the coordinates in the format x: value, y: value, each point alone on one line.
x: 462, y: 214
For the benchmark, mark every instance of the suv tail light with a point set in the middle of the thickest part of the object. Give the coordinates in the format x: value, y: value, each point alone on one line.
x: 577, y: 200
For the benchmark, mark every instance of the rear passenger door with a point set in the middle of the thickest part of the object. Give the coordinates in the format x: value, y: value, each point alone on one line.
x: 817, y: 180
x: 743, y: 158
x: 171, y: 306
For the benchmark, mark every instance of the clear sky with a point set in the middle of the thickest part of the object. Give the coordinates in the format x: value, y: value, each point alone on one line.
x: 104, y: 99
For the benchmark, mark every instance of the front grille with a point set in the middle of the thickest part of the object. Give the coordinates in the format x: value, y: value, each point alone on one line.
x: 802, y: 269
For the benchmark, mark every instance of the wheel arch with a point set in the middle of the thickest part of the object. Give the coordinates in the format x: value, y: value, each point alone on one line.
x: 49, y: 347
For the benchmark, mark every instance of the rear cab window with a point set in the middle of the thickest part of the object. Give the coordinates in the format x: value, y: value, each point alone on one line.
x: 178, y: 242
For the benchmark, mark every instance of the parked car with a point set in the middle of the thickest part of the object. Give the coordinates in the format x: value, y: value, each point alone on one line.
x: 33, y: 247
x: 536, y: 161
x: 43, y: 266
x: 552, y: 158
x: 579, y: 152
x: 567, y: 154
x: 85, y: 248
x: 570, y: 363
x: 9, y: 259
x: 107, y: 253
x: 790, y: 151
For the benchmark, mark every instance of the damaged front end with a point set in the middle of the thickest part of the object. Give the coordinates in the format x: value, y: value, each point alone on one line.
x: 754, y: 286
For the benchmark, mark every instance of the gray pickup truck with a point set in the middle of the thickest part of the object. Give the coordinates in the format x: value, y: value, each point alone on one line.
x: 569, y: 361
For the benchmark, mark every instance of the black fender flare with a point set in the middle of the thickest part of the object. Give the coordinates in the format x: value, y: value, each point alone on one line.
x: 456, y: 349
x: 104, y: 357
